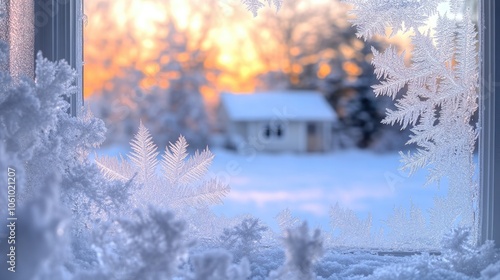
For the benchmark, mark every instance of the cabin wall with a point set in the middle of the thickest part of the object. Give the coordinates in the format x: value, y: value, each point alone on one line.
x: 244, y: 135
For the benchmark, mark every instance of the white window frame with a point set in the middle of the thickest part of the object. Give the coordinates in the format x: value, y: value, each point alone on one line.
x: 55, y: 28
x: 59, y: 35
x: 489, y: 138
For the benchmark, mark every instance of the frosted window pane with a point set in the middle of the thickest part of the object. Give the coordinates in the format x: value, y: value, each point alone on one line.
x: 446, y: 157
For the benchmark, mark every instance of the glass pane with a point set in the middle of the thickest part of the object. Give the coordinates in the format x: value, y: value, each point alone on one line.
x: 342, y: 174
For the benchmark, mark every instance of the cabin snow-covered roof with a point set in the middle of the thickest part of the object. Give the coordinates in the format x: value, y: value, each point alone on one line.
x: 290, y: 105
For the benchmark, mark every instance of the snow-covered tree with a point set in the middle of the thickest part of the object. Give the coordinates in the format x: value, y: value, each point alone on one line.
x: 163, y: 88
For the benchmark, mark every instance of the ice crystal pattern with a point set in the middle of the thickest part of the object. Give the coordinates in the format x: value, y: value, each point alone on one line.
x: 442, y: 92
x: 181, y: 182
x: 243, y: 238
x: 255, y: 5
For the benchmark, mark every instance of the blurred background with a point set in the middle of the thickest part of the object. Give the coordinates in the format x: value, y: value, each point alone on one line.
x: 181, y: 67
x: 166, y: 62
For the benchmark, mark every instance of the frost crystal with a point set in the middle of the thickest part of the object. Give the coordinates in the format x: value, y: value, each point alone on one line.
x: 302, y: 250
x: 243, y: 238
x: 182, y: 182
x: 442, y: 92
x: 348, y: 229
x: 286, y: 221
x: 255, y: 5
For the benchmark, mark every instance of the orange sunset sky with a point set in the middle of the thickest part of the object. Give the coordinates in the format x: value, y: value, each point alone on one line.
x: 126, y: 33
x: 121, y: 34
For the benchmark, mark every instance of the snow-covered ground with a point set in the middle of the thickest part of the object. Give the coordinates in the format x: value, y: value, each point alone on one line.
x: 309, y: 184
x: 264, y: 184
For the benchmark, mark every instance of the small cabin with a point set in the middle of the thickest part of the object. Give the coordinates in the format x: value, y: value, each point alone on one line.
x: 284, y: 121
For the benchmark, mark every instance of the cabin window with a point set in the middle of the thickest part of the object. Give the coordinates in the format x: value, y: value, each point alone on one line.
x: 311, y: 129
x: 267, y: 132
x: 279, y: 130
x: 274, y: 131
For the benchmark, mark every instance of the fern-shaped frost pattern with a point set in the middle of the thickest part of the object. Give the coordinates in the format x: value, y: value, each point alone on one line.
x: 144, y: 153
x: 173, y: 160
x: 442, y: 89
x: 255, y: 5
x: 180, y: 181
x: 115, y: 168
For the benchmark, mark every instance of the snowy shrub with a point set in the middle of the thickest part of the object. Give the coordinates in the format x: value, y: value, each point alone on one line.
x: 244, y: 238
x: 302, y: 250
